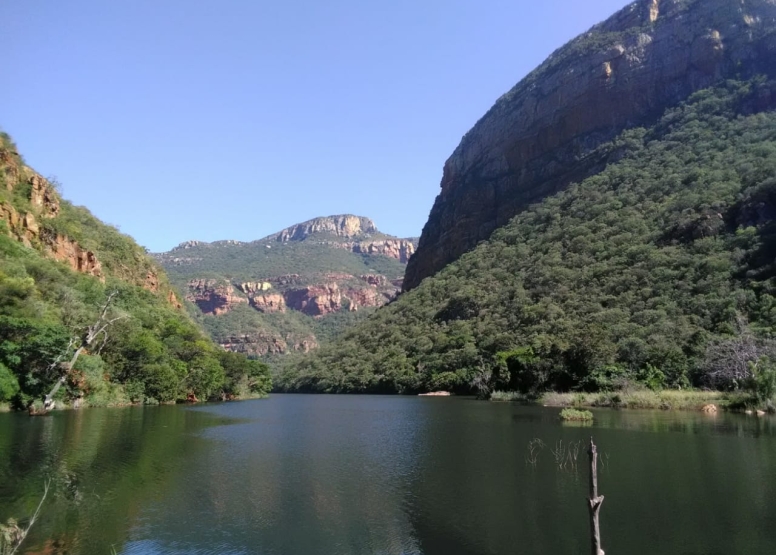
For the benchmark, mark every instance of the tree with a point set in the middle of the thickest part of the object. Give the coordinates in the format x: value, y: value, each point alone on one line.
x: 77, y: 345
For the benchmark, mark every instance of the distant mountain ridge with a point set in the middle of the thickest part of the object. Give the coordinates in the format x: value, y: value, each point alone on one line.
x: 287, y: 291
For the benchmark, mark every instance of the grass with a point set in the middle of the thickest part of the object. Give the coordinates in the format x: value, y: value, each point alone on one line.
x: 507, y: 396
x: 569, y: 414
x: 631, y: 399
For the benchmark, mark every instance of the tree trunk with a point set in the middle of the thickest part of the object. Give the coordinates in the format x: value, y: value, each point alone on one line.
x: 595, y: 501
x: 48, y: 402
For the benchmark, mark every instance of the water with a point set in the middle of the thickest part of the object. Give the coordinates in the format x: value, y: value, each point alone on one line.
x: 368, y: 475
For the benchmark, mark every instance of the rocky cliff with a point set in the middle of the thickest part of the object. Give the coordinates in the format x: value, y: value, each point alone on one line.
x: 33, y: 213
x: 542, y: 135
x: 345, y: 225
x: 292, y: 289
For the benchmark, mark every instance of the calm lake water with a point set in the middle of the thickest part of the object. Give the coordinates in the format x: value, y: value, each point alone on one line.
x: 364, y: 475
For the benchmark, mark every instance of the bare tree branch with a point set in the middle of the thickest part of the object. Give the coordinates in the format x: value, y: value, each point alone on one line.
x: 80, y: 344
x: 20, y: 534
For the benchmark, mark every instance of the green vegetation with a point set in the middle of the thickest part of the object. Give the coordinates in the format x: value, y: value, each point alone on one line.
x: 317, y: 259
x: 156, y: 353
x: 574, y: 415
x: 260, y: 260
x: 624, y: 279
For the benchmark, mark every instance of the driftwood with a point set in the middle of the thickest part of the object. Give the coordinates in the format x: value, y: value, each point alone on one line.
x: 75, y: 348
x: 594, y: 502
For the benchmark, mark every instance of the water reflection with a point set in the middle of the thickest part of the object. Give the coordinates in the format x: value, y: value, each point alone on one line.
x: 104, y: 465
x: 385, y: 475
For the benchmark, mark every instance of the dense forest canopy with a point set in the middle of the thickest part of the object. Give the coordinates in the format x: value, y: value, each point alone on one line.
x: 153, y: 353
x: 631, y: 274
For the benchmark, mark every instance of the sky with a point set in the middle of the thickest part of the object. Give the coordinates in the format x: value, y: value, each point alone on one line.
x: 233, y: 119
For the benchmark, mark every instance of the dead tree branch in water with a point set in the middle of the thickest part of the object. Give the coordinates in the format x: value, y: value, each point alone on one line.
x: 594, y: 502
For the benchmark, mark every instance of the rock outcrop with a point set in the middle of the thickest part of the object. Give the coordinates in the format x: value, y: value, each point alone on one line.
x: 542, y: 135
x: 265, y: 343
x: 364, y: 297
x: 400, y: 249
x: 345, y: 225
x: 44, y: 204
x: 42, y: 197
x: 71, y: 253
x: 213, y: 296
x: 316, y: 300
x: 268, y: 303
x: 374, y: 279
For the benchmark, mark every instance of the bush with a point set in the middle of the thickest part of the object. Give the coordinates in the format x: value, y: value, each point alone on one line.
x: 569, y: 415
x: 9, y: 385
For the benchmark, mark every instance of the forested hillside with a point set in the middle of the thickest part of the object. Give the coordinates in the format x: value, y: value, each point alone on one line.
x: 58, y: 267
x: 292, y: 290
x: 630, y: 274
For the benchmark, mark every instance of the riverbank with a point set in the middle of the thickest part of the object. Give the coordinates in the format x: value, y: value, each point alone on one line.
x: 637, y: 399
x: 79, y: 404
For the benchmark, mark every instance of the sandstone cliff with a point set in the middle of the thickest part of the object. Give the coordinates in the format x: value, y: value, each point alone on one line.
x: 542, y: 134
x: 39, y: 202
x: 213, y: 296
x: 342, y: 226
x: 33, y: 213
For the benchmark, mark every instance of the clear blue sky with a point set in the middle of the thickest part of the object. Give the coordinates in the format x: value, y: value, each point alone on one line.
x: 232, y: 119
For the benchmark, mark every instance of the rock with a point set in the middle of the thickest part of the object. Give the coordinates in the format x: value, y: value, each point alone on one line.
x: 543, y: 134
x: 70, y: 252
x: 213, y: 296
x: 288, y: 279
x: 760, y: 412
x: 42, y: 197
x: 251, y: 288
x: 261, y: 343
x: 172, y: 299
x: 374, y: 279
x: 315, y: 300
x: 365, y: 297
x: 400, y: 249
x: 341, y: 226
x: 710, y: 408
x: 435, y: 394
x: 273, y: 302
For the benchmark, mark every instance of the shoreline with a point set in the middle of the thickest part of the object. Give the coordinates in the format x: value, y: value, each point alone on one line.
x: 62, y: 406
x: 668, y: 399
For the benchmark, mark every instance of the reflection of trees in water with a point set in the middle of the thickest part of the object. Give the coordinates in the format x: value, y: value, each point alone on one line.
x: 104, y: 464
x: 308, y: 476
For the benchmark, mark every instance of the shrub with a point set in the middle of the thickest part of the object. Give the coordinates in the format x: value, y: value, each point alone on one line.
x: 569, y: 414
x: 9, y: 386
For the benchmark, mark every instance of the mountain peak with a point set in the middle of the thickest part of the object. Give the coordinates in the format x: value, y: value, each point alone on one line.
x: 343, y: 225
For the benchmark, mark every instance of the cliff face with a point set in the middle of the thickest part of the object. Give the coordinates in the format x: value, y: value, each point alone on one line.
x: 218, y: 297
x: 39, y: 202
x: 213, y: 296
x: 542, y: 135
x: 341, y: 226
x: 32, y: 212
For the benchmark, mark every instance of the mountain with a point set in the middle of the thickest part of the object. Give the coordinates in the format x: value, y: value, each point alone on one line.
x: 290, y: 290
x: 59, y: 265
x: 656, y: 269
x: 545, y: 133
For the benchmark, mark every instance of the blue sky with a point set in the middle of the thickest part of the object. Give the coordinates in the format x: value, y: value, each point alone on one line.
x: 232, y: 119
